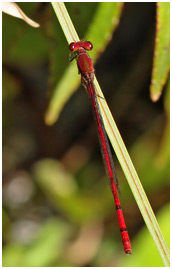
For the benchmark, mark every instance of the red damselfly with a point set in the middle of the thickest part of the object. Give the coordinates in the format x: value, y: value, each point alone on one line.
x: 85, y: 67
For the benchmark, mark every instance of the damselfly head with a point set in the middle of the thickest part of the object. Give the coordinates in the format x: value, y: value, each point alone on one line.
x: 74, y: 46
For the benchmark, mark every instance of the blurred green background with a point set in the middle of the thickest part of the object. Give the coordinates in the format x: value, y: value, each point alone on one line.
x: 58, y: 209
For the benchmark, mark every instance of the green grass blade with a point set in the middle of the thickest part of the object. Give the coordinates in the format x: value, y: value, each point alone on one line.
x: 65, y: 21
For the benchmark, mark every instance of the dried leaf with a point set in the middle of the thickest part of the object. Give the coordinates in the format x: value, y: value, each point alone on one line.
x: 14, y: 10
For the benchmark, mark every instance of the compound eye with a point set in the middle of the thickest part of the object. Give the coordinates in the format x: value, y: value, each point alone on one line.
x: 88, y: 45
x: 73, y: 47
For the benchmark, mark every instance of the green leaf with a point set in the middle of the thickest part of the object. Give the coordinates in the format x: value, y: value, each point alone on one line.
x: 161, y: 63
x: 163, y: 155
x: 105, y: 21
